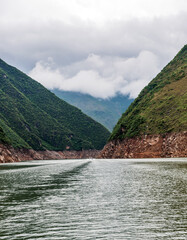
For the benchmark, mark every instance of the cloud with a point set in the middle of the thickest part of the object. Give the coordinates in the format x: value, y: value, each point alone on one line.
x: 97, y: 11
x: 112, y: 46
x: 27, y: 42
x: 101, y: 77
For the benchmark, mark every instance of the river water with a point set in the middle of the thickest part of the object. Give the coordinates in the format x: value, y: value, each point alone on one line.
x: 94, y: 199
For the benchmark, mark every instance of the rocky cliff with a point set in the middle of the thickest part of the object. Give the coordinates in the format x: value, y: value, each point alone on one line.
x: 148, y: 146
x: 9, y: 154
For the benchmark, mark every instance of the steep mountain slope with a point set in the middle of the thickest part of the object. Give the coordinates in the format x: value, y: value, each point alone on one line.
x: 3, y: 137
x: 105, y: 111
x: 160, y: 109
x: 33, y: 117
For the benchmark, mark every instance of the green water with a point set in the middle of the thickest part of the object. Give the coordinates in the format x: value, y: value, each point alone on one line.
x: 94, y: 199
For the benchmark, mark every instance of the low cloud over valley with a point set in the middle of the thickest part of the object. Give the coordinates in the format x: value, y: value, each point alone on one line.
x: 92, y: 47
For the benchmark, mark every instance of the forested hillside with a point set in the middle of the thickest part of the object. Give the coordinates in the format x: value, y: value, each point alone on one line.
x: 105, y: 111
x: 161, y: 107
x: 33, y: 117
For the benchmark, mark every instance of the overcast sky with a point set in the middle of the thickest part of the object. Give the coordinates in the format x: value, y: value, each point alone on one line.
x: 99, y: 47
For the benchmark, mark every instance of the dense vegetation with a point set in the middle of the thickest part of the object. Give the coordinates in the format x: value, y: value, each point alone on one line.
x: 105, y: 111
x: 3, y: 137
x: 161, y: 107
x: 33, y: 117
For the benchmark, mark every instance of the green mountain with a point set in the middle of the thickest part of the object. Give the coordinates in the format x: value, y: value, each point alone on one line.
x: 161, y: 107
x: 105, y: 111
x: 33, y: 117
x: 3, y: 137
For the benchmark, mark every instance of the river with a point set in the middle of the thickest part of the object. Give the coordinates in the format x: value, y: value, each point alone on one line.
x: 94, y: 199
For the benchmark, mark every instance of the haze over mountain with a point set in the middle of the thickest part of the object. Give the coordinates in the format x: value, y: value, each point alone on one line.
x: 95, y: 47
x: 160, y: 109
x: 105, y: 111
x: 33, y: 117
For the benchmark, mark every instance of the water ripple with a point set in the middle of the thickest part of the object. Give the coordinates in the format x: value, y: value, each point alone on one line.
x: 99, y: 199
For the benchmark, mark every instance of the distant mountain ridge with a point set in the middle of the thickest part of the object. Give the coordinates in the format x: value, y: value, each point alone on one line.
x: 33, y: 117
x: 155, y: 124
x: 105, y: 111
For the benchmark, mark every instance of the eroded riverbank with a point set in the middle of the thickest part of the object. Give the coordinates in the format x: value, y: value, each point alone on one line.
x: 9, y: 154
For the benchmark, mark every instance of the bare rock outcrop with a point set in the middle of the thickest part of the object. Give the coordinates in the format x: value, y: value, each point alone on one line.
x: 148, y: 146
x: 9, y: 154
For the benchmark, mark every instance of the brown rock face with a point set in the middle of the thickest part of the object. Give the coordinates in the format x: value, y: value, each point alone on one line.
x: 148, y: 146
x: 9, y: 154
x: 6, y: 154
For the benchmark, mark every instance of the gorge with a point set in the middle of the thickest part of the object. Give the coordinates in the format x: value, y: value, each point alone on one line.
x: 35, y: 124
